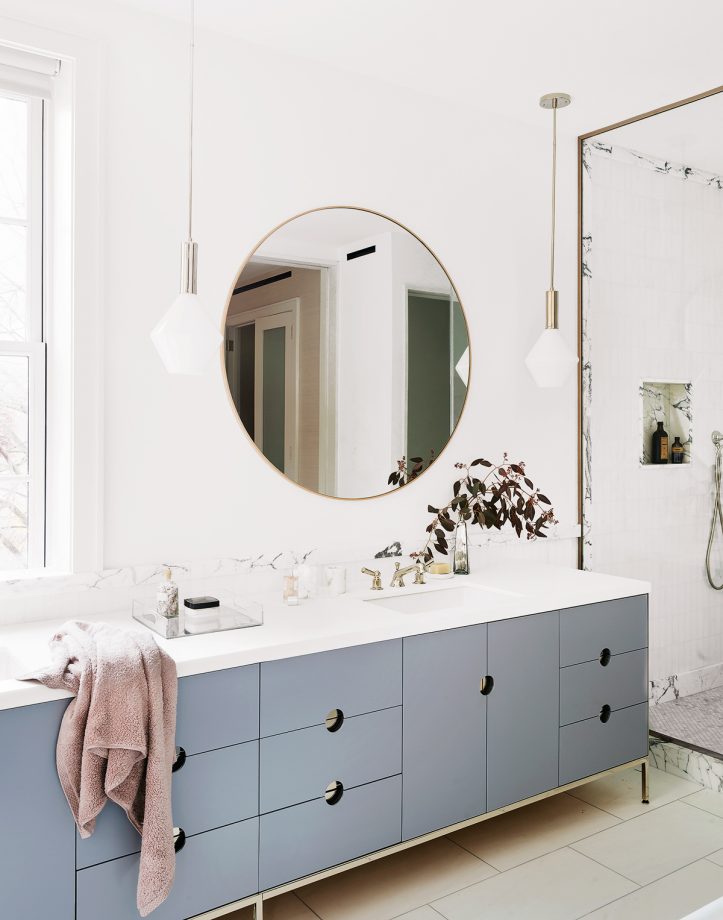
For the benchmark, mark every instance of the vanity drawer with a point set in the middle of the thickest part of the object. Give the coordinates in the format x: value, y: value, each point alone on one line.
x: 209, y: 791
x: 593, y: 746
x: 586, y: 688
x: 211, y: 870
x: 299, y: 692
x: 218, y: 709
x: 298, y: 766
x: 304, y: 839
x: 618, y: 626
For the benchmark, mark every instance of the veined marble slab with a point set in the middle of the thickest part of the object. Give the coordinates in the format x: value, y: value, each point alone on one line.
x: 692, y: 765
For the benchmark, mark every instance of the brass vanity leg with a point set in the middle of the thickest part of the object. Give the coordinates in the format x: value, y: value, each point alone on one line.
x: 645, y: 779
x: 259, y: 909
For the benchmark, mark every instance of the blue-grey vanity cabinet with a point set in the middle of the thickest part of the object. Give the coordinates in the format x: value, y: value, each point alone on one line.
x: 212, y: 869
x: 444, y: 731
x: 37, y: 833
x: 215, y: 803
x: 298, y: 766
x: 218, y: 709
x: 316, y: 835
x: 603, y: 686
x: 523, y: 659
x: 299, y: 692
x: 210, y: 790
x: 304, y: 828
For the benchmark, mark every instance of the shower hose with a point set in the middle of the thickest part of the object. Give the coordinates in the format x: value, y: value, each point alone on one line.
x: 717, y: 511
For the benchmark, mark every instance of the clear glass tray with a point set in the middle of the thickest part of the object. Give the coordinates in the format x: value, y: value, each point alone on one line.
x: 232, y: 613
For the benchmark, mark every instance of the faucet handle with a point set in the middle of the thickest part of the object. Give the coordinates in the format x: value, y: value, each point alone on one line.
x: 419, y: 576
x: 376, y: 577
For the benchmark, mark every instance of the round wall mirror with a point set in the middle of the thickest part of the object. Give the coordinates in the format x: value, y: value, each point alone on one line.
x: 347, y: 352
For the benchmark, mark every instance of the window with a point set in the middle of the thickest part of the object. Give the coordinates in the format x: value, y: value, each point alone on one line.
x: 22, y: 349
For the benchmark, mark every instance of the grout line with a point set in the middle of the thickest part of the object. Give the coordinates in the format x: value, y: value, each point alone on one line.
x: 432, y: 907
x: 700, y: 807
x: 461, y: 847
x: 299, y: 898
x: 614, y: 871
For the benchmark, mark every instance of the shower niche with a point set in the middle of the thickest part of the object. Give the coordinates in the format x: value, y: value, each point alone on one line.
x: 669, y: 402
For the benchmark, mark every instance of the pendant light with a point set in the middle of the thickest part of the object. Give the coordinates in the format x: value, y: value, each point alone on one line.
x: 551, y: 359
x: 185, y: 337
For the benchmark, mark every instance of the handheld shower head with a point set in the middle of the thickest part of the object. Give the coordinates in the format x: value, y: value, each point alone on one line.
x: 717, y: 438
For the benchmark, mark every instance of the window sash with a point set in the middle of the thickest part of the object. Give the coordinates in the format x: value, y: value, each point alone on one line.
x: 33, y: 347
x: 35, y: 476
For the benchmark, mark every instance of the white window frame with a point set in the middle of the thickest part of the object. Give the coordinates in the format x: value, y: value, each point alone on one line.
x: 73, y: 320
x: 33, y: 347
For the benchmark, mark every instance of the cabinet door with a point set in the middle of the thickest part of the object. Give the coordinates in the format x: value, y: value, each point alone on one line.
x: 37, y: 844
x: 444, y: 729
x: 523, y: 708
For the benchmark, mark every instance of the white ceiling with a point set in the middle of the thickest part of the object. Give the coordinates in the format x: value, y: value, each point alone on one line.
x: 616, y: 57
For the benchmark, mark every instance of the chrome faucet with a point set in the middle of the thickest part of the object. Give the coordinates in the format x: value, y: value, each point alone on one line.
x: 376, y: 578
x: 398, y: 576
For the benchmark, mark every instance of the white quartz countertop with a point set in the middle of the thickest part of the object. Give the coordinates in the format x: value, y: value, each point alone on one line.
x: 496, y: 592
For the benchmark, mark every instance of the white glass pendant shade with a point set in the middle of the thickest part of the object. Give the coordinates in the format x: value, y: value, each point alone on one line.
x: 551, y: 360
x: 185, y: 337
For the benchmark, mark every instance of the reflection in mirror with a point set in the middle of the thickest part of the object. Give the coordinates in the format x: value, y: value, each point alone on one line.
x: 346, y: 350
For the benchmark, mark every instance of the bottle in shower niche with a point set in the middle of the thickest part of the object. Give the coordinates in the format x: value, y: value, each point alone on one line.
x: 461, y: 554
x: 661, y: 443
x: 677, y: 451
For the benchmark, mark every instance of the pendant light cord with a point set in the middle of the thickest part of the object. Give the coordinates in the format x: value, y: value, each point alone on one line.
x: 554, y: 176
x: 190, y: 121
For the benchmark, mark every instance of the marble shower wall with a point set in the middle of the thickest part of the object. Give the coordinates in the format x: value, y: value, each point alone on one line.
x: 653, y: 311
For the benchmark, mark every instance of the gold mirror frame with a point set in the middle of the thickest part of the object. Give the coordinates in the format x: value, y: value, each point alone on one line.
x: 222, y: 357
x: 580, y: 427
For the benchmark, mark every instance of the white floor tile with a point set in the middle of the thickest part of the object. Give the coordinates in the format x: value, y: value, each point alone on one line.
x: 717, y: 857
x: 670, y: 898
x: 559, y: 886
x: 421, y: 913
x: 388, y: 887
x: 285, y: 907
x: 647, y: 848
x: 621, y: 794
x: 534, y: 830
x: 708, y: 801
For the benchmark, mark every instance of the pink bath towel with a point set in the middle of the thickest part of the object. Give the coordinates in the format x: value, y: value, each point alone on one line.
x: 117, y: 738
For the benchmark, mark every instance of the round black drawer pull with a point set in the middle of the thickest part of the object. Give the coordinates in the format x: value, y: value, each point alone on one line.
x: 179, y: 839
x: 605, y: 713
x: 334, y: 792
x: 334, y: 720
x: 605, y: 657
x: 486, y: 685
x: 180, y: 759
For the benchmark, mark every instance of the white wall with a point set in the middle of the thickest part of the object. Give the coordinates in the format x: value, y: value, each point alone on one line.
x: 276, y: 136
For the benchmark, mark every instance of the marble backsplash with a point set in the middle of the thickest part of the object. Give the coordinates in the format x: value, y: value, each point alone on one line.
x: 42, y: 597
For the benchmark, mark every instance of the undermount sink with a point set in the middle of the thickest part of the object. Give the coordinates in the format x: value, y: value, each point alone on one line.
x: 453, y: 598
x: 10, y: 666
